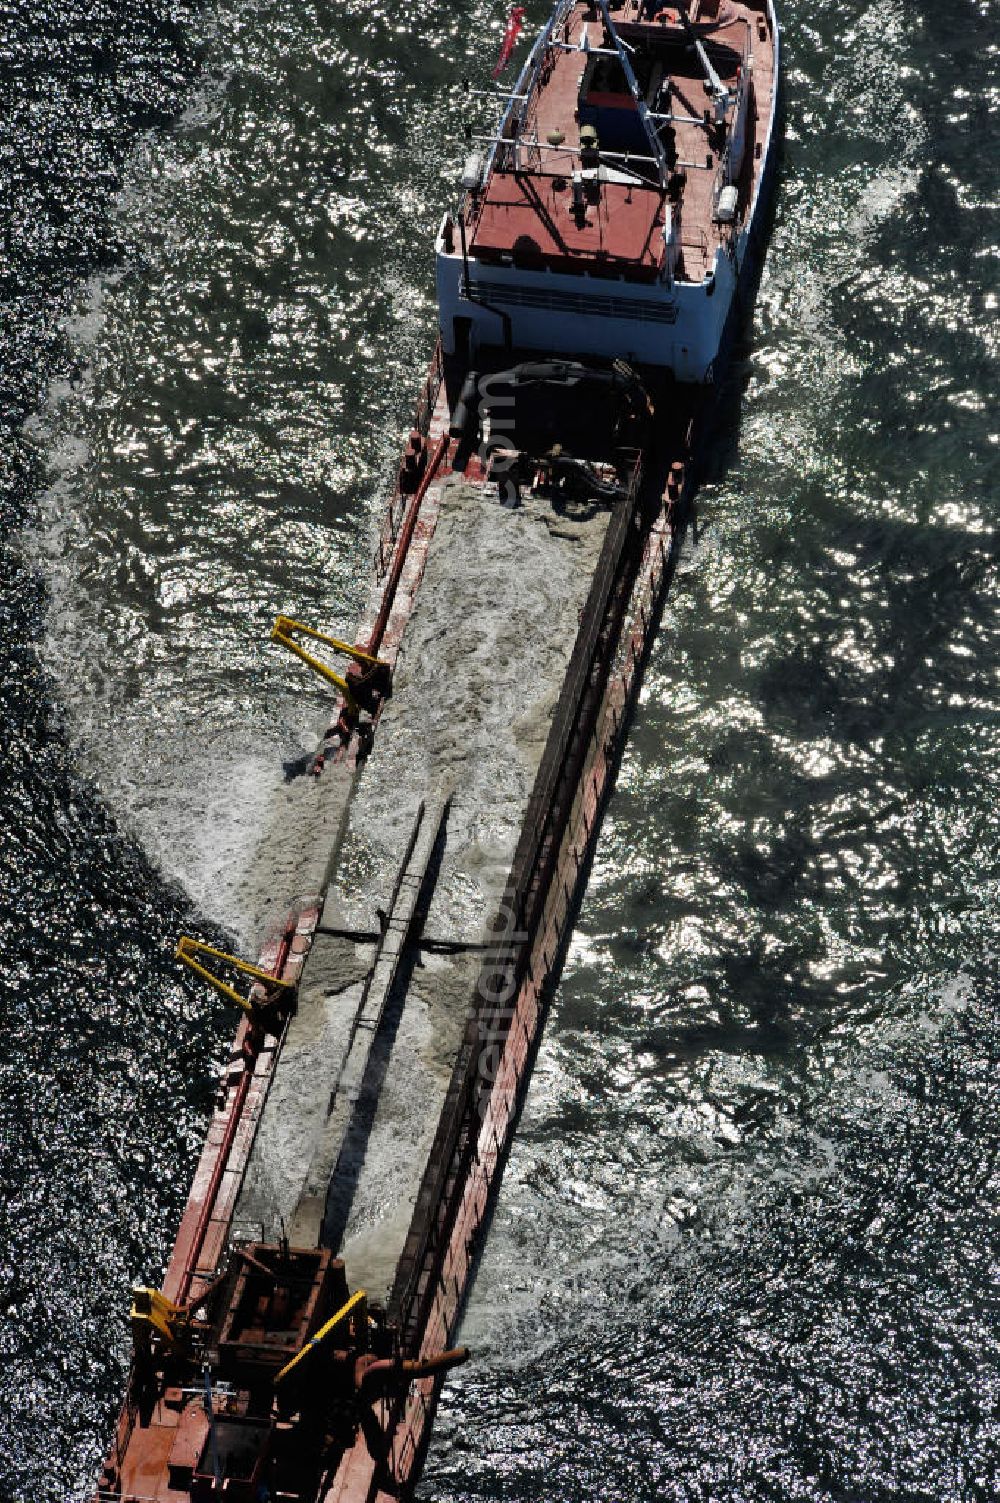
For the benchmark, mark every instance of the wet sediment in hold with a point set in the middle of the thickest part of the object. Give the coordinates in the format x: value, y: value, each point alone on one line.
x: 480, y: 670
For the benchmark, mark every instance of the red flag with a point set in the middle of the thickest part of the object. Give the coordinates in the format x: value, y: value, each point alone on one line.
x: 510, y: 36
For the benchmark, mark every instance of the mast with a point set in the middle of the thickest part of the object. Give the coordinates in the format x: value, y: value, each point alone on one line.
x: 633, y: 83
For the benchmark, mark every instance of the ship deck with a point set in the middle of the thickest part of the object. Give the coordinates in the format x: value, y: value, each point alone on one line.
x: 525, y: 214
x: 528, y: 215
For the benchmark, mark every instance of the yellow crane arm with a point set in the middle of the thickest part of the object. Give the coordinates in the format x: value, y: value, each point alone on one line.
x: 188, y: 950
x: 357, y: 1301
x: 284, y: 632
x: 152, y: 1311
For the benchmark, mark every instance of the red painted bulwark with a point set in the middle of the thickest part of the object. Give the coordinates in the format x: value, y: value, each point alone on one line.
x: 154, y: 1456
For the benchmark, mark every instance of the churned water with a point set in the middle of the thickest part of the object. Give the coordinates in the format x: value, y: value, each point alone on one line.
x: 746, y: 1246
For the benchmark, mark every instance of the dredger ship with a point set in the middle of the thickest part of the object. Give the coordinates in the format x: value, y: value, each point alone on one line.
x: 589, y: 281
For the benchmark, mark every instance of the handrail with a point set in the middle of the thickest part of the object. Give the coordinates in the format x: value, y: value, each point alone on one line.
x: 251, y: 1039
x: 723, y: 175
x: 536, y: 61
x: 402, y: 545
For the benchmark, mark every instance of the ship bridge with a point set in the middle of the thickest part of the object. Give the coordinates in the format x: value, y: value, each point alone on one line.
x: 616, y: 198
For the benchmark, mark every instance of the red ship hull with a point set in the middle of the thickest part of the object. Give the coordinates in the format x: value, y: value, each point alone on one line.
x: 489, y: 1080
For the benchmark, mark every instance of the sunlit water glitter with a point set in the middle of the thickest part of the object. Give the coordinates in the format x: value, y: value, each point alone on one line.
x: 745, y: 1246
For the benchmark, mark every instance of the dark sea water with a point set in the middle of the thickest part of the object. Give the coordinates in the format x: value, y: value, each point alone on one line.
x: 747, y: 1243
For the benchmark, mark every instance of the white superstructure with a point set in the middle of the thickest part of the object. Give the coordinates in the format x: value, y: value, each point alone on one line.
x: 612, y: 214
